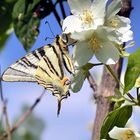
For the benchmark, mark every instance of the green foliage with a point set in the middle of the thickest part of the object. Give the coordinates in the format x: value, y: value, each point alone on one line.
x: 26, y: 22
x: 6, y: 7
x: 80, y: 76
x: 118, y: 117
x: 31, y: 129
x: 24, y: 16
x: 132, y: 71
x: 118, y: 101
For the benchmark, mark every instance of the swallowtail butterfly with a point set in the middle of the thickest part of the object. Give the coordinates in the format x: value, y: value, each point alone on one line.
x: 46, y: 67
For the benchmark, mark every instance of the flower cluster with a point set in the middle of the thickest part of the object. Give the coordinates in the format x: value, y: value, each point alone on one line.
x: 97, y: 29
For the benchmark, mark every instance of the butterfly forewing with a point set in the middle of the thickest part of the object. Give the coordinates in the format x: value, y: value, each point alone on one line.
x: 61, y: 47
x: 52, y: 63
x: 24, y: 69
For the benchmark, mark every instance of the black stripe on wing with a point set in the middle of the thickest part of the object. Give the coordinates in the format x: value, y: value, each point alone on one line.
x: 44, y: 71
x: 27, y: 63
x: 39, y: 53
x: 64, y: 52
x: 59, y: 61
x: 51, y: 66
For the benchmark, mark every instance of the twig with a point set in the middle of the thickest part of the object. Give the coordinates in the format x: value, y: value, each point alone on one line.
x: 24, y: 116
x: 4, y: 102
x: 62, y: 9
x: 92, y: 82
x: 137, y: 91
x: 1, y: 93
x: 55, y: 12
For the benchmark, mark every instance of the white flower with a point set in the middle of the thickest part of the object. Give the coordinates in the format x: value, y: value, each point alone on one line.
x: 124, y: 134
x: 120, y: 24
x: 85, y: 26
x: 86, y: 15
x: 94, y: 42
x: 98, y: 30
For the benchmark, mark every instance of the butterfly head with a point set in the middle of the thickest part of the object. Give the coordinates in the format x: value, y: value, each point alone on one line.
x: 61, y: 91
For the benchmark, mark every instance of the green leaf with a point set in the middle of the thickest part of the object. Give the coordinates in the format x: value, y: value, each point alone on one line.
x: 118, y: 117
x: 26, y: 22
x: 6, y: 7
x: 132, y: 71
x: 80, y: 76
x: 3, y: 39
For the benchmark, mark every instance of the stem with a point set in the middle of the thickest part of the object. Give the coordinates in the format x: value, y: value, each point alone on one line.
x: 132, y: 98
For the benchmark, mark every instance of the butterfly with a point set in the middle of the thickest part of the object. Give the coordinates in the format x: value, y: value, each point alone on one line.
x: 46, y: 67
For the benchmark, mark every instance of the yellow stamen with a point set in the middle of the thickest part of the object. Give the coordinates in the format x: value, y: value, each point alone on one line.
x: 128, y: 135
x: 87, y: 17
x: 114, y: 23
x: 94, y: 43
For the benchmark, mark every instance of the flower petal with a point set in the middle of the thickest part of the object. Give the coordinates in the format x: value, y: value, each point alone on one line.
x: 83, y: 35
x: 98, y: 7
x: 77, y: 6
x: 113, y: 8
x: 116, y: 132
x: 124, y: 24
x: 71, y: 24
x: 82, y: 53
x: 123, y: 133
x: 137, y: 136
x: 108, y: 53
x: 126, y: 36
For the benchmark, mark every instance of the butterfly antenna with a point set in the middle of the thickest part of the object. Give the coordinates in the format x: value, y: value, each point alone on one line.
x: 48, y: 38
x: 50, y: 28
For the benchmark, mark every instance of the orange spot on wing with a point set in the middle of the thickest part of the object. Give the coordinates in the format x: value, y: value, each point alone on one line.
x: 64, y: 80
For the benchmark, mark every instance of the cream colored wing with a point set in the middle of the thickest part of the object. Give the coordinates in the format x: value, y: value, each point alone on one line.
x: 24, y: 69
x: 60, y: 45
x: 49, y: 71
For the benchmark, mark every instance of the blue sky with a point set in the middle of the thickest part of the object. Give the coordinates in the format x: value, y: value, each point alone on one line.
x: 78, y: 111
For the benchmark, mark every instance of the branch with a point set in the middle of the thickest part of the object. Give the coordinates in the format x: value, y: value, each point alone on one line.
x: 23, y: 117
x: 4, y: 103
x: 92, y: 82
